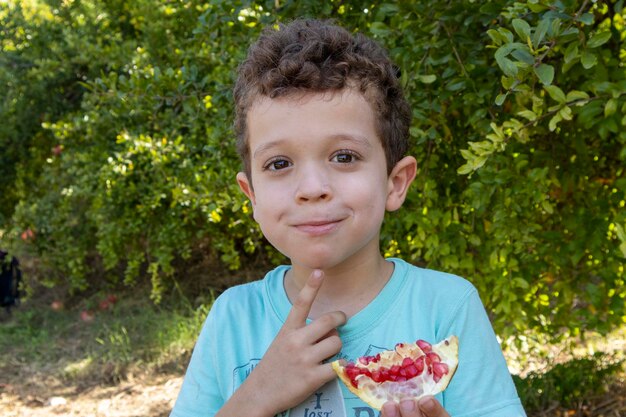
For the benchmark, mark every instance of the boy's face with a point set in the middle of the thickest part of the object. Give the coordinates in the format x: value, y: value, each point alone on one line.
x: 319, y: 185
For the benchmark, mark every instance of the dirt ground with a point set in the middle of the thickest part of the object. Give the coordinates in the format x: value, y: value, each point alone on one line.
x: 136, y: 397
x: 154, y: 396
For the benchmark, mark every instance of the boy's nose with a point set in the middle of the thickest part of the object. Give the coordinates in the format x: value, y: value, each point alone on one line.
x: 313, y: 185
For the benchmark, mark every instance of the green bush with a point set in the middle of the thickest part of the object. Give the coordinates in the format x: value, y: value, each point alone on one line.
x: 119, y: 160
x: 569, y: 385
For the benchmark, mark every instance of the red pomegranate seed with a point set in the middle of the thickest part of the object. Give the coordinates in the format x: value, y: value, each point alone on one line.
x: 440, y: 369
x: 433, y: 357
x: 424, y: 345
x: 376, y: 376
x: 411, y: 371
x: 353, y: 372
x: 419, y: 364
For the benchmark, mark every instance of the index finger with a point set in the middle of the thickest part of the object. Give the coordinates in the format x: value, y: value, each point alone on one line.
x: 304, y: 300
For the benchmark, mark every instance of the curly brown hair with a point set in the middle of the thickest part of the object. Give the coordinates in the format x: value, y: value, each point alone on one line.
x: 309, y: 55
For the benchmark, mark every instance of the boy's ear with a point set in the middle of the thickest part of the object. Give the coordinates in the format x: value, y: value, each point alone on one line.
x: 400, y: 179
x: 246, y: 186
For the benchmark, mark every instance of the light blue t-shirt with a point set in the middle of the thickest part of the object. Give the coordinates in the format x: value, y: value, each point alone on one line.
x: 415, y: 304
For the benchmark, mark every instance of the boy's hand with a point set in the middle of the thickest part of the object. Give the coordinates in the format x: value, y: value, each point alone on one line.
x: 293, y: 368
x: 426, y: 407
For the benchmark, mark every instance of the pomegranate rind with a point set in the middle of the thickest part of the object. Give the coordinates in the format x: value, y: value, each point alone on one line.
x: 375, y: 394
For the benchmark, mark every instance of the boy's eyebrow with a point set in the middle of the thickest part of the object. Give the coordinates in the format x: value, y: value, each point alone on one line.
x: 267, y: 146
x: 356, y: 139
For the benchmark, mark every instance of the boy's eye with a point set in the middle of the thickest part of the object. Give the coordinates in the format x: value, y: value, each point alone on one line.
x: 345, y: 157
x: 277, y: 165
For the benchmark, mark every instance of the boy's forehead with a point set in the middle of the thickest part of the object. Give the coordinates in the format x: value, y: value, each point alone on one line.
x: 311, y: 104
x: 298, y: 98
x: 331, y: 112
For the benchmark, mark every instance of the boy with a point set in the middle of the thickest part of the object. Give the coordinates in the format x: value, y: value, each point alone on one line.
x: 322, y: 129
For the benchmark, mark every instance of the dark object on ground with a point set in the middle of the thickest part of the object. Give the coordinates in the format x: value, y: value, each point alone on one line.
x: 10, y: 281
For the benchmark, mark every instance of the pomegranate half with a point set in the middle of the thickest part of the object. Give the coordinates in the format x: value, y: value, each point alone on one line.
x: 411, y: 370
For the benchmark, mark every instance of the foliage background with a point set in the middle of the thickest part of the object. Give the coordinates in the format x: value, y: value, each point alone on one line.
x: 118, y: 158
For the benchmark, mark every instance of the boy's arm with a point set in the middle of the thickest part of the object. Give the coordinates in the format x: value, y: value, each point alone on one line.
x: 482, y: 383
x: 292, y: 368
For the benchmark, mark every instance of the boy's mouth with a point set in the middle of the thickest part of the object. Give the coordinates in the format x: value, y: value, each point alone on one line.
x: 317, y: 227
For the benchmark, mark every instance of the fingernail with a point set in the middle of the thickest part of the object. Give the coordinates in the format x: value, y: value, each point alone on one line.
x: 317, y: 274
x: 390, y: 410
x: 428, y: 405
x: 407, y: 405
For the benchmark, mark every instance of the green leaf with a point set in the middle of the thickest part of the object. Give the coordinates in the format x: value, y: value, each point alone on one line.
x: 556, y: 93
x: 554, y: 121
x: 500, y: 99
x: 507, y: 66
x: 610, y: 107
x: 599, y: 39
x: 540, y: 32
x: 380, y: 29
x: 427, y: 79
x: 388, y: 9
x: 523, y: 55
x: 484, y: 147
x: 571, y: 52
x: 479, y: 162
x: 465, y: 169
x: 497, y: 37
x: 456, y: 85
x: 545, y: 204
x: 507, y: 82
x: 537, y: 7
x: 576, y: 95
x: 586, y: 18
x: 555, y: 29
x: 522, y: 28
x: 566, y: 113
x: 545, y: 73
x: 521, y: 283
x: 497, y: 130
x: 621, y: 233
x: 528, y: 114
x: 467, y: 154
x: 508, y: 35
x: 588, y: 60
x: 590, y: 113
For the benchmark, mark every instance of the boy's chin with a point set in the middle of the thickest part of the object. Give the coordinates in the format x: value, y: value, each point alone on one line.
x: 312, y: 263
x: 324, y: 262
x: 333, y: 257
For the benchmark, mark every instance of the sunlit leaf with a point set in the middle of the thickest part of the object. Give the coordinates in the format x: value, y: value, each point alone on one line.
x: 545, y: 73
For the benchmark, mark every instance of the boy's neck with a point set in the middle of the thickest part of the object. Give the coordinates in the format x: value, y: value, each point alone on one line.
x: 346, y: 288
